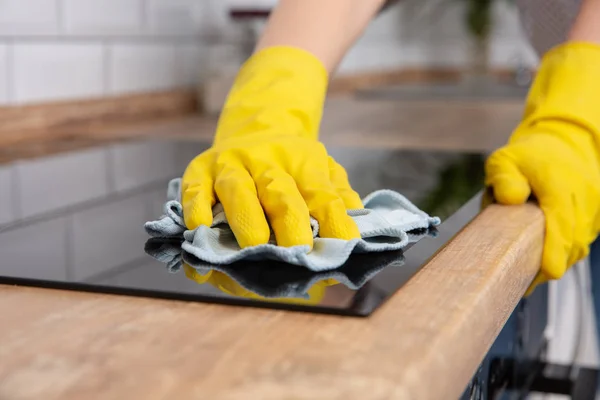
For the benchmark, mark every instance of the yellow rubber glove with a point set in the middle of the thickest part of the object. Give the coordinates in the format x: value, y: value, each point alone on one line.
x: 555, y: 154
x: 266, y: 163
x: 229, y: 286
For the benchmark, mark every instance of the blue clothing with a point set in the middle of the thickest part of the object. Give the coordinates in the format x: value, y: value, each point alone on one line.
x: 595, y: 277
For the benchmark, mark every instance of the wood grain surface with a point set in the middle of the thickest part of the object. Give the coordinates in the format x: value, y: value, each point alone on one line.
x: 75, y: 118
x: 424, y: 343
x: 349, y: 122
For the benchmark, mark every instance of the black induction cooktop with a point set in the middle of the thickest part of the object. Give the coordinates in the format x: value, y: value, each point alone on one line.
x: 74, y: 220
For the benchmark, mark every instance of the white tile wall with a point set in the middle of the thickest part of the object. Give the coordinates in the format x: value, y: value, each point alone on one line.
x: 106, y: 17
x: 109, y: 235
x: 508, y: 24
x: 139, y: 164
x: 37, y: 250
x: 75, y: 177
x: 66, y: 49
x: 7, y: 206
x: 508, y: 53
x: 142, y: 67
x: 387, y: 26
x: 190, y: 64
x: 368, y: 56
x: 57, y: 71
x: 30, y: 17
x: 174, y: 16
x: 252, y: 3
x: 4, y: 74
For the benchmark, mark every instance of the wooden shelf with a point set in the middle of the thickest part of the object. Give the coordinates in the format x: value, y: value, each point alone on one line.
x: 433, y: 125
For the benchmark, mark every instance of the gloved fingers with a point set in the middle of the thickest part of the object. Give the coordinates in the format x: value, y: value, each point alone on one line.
x: 502, y: 172
x: 237, y: 193
x: 560, y: 228
x: 339, y: 180
x: 285, y: 208
x: 197, y: 195
x: 324, y: 203
x: 581, y: 241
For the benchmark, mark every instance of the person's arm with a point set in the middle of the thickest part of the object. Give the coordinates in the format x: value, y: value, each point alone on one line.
x: 554, y: 153
x: 587, y: 24
x: 325, y: 28
x: 266, y: 165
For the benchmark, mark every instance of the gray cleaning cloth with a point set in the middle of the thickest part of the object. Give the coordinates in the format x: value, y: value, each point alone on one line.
x: 384, y: 224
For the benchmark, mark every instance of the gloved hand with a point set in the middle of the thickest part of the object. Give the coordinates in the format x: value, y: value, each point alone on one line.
x: 554, y: 154
x: 266, y: 163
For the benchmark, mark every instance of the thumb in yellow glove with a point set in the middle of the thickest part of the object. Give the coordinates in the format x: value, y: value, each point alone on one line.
x: 554, y: 154
x: 266, y: 165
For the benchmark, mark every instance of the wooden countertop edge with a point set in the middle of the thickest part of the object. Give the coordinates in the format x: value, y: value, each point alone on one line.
x: 424, y: 343
x: 470, y: 288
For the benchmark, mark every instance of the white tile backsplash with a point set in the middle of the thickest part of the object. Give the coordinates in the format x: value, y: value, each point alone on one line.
x: 138, y: 164
x: 4, y: 83
x: 57, y: 71
x: 109, y: 235
x: 190, y: 64
x: 75, y: 178
x: 142, y: 67
x: 110, y: 17
x: 7, y: 206
x: 28, y: 17
x: 174, y: 16
x: 367, y: 56
x: 70, y: 49
x: 35, y: 251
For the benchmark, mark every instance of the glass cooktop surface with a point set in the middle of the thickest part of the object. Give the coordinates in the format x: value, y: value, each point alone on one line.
x: 74, y: 220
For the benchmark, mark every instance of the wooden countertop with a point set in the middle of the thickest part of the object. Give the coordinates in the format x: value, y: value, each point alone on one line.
x: 424, y: 343
x: 434, y: 125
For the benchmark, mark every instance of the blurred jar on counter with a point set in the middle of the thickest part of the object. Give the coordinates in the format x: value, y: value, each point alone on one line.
x: 229, y: 47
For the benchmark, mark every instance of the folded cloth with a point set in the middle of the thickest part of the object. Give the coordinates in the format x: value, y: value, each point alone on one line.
x: 384, y: 224
x: 274, y: 279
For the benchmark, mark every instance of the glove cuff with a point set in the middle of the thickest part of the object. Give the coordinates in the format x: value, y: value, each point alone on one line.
x: 278, y: 91
x: 566, y: 90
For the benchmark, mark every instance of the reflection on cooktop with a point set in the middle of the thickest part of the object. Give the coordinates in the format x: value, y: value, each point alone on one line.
x: 75, y: 221
x: 272, y: 280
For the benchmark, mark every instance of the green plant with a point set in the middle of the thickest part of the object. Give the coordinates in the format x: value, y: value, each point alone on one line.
x: 478, y: 16
x: 457, y: 183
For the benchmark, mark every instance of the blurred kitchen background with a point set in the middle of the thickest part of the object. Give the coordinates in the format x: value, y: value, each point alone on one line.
x: 103, y: 101
x: 108, y: 99
x: 55, y: 50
